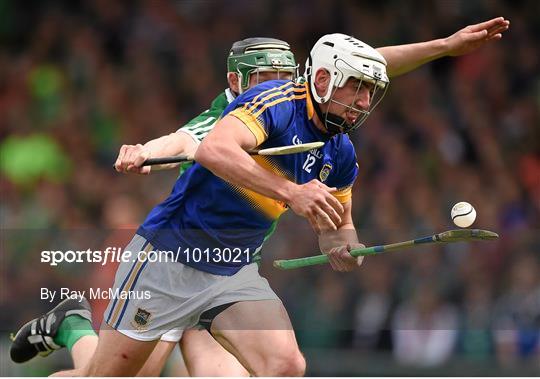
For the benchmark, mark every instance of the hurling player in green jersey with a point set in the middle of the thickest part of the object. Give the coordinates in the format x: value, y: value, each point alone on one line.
x: 251, y: 61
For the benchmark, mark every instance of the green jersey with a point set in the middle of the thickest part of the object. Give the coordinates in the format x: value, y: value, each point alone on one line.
x: 201, y: 125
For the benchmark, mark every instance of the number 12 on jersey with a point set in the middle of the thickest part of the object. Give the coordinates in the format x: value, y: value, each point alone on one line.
x: 310, y: 161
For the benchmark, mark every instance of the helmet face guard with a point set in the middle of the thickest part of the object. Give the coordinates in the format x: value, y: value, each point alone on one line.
x: 345, y: 57
x: 377, y: 89
x: 256, y: 55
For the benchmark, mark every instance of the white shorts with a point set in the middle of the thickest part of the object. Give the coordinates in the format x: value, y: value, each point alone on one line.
x: 156, y: 298
x: 174, y: 335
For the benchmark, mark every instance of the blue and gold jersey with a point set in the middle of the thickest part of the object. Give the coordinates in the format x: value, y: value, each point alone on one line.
x: 217, y: 227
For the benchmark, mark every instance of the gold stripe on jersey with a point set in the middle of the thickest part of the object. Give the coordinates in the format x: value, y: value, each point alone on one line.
x: 252, y: 106
x: 343, y: 195
x: 277, y: 101
x: 271, y: 208
x: 253, y: 120
x: 254, y: 125
x: 309, y: 103
x: 256, y: 98
x: 276, y: 90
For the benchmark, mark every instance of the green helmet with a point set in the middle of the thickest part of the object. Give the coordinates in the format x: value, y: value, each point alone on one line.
x: 253, y: 55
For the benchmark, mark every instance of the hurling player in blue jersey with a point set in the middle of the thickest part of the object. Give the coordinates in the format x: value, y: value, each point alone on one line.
x: 217, y: 216
x: 218, y: 213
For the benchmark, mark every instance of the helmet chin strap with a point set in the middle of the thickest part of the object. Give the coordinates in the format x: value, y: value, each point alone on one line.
x: 334, y: 120
x: 330, y: 121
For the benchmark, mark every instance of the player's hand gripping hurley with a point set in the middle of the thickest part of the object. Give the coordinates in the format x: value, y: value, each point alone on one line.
x: 450, y: 236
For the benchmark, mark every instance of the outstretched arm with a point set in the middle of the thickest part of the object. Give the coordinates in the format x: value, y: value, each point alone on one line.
x: 183, y: 142
x: 404, y: 58
x: 131, y: 157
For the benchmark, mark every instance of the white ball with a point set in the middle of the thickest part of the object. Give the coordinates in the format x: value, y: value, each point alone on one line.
x: 463, y: 214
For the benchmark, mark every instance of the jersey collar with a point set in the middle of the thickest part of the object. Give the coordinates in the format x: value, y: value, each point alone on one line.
x: 230, y: 95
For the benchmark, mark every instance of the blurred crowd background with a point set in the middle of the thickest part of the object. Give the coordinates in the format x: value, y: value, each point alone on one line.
x: 80, y: 78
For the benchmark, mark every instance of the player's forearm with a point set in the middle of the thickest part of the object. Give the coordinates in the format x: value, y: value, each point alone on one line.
x: 404, y: 58
x: 171, y: 144
x: 231, y: 163
x: 344, y: 235
x: 177, y: 143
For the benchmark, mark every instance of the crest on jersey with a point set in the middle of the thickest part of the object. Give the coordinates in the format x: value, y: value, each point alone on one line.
x: 141, y: 319
x: 325, y: 171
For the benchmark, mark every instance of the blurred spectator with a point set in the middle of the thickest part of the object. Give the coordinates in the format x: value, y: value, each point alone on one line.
x: 326, y: 327
x: 374, y: 306
x: 475, y: 338
x: 424, y: 329
x: 517, y: 326
x: 26, y: 160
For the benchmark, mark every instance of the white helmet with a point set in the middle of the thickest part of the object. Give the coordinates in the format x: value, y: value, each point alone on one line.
x: 344, y: 57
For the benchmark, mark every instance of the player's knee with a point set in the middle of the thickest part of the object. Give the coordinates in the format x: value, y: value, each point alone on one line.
x: 298, y: 367
x: 286, y: 365
x: 294, y: 365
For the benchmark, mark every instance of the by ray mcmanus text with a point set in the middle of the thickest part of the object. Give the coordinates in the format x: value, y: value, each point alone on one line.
x: 92, y: 294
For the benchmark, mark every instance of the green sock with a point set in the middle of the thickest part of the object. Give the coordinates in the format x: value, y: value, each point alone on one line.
x: 72, y: 329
